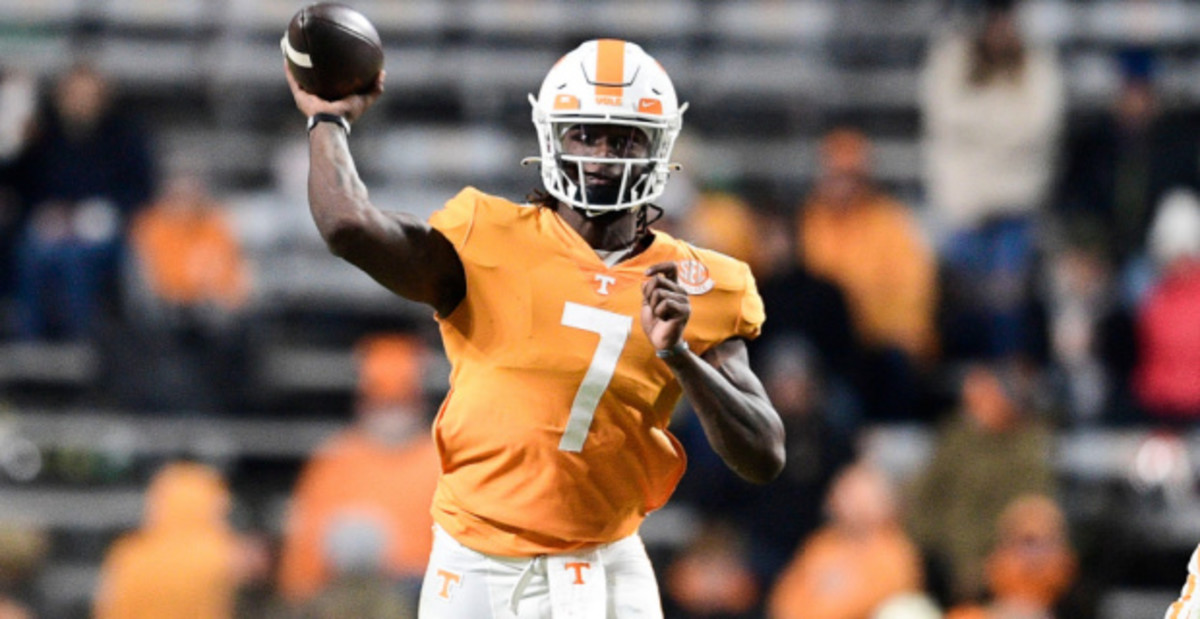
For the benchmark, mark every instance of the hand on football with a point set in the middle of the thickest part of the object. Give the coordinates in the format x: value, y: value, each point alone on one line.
x: 665, y: 306
x: 350, y: 108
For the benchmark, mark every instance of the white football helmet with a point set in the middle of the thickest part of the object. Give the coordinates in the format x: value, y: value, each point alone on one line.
x: 613, y: 82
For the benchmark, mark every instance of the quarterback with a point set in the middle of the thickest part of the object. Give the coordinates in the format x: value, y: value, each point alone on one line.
x: 573, y: 329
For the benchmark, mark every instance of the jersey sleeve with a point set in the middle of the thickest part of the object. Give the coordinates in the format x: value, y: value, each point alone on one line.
x: 456, y: 219
x: 751, y: 314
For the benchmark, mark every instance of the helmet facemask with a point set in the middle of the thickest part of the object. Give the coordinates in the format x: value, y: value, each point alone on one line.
x: 627, y: 164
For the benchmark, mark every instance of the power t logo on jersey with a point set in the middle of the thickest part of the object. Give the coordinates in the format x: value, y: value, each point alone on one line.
x: 605, y: 282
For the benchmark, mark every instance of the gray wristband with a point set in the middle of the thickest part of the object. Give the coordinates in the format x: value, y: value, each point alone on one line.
x: 680, y: 347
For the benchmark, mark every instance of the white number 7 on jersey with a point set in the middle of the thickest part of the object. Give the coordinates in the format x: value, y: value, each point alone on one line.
x: 614, y: 331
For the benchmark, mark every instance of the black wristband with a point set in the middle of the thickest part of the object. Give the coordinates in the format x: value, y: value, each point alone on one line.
x: 325, y: 117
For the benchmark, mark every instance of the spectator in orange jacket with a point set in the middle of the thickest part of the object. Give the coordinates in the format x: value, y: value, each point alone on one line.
x: 870, y: 245
x: 187, y: 250
x: 186, y: 561
x: 187, y: 283
x: 850, y: 566
x: 1031, y: 566
x: 361, y: 505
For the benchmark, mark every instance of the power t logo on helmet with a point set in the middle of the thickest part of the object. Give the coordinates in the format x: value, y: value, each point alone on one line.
x: 599, y: 88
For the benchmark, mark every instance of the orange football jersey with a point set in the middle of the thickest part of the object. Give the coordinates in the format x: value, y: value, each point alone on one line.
x: 553, y: 436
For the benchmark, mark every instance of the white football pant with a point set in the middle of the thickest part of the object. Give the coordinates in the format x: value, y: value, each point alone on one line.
x: 614, y: 581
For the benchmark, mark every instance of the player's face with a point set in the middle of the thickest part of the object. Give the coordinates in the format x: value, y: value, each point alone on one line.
x: 601, y: 180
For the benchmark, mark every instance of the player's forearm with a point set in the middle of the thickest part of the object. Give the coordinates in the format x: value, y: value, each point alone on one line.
x: 337, y: 197
x: 742, y: 427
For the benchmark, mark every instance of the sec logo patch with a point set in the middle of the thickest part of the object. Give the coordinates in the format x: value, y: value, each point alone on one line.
x: 693, y: 277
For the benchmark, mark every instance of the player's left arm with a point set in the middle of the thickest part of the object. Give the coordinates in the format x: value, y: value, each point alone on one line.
x: 737, y: 416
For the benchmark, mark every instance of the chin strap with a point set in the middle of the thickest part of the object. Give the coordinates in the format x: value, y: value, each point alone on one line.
x: 644, y: 220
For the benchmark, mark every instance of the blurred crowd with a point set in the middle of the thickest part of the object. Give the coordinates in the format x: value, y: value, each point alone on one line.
x: 1049, y: 279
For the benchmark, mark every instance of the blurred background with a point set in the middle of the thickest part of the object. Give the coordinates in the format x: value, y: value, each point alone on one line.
x: 974, y: 225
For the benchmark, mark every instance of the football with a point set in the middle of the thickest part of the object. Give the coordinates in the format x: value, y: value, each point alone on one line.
x: 332, y: 50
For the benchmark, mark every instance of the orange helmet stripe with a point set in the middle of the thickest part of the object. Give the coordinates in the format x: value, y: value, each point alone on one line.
x: 610, y: 67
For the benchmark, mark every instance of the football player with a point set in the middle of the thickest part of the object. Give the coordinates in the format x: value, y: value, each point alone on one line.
x: 573, y: 329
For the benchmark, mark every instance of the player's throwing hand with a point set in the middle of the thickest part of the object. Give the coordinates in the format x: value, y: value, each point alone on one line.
x: 665, y: 306
x: 349, y: 108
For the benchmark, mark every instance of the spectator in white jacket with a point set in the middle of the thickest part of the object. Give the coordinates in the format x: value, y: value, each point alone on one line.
x: 993, y: 107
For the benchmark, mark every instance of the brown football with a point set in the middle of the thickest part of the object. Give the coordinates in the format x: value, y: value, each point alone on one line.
x: 332, y: 50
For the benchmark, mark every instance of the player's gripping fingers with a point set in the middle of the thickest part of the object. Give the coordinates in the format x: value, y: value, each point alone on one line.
x: 357, y: 104
x: 651, y: 286
x: 308, y: 103
x: 670, y: 270
x: 652, y: 297
x: 376, y: 91
x: 351, y: 107
x: 651, y: 293
x: 655, y: 289
x: 672, y: 308
x: 664, y: 292
x: 661, y: 280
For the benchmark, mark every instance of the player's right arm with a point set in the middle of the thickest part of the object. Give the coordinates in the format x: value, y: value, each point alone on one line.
x: 398, y: 250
